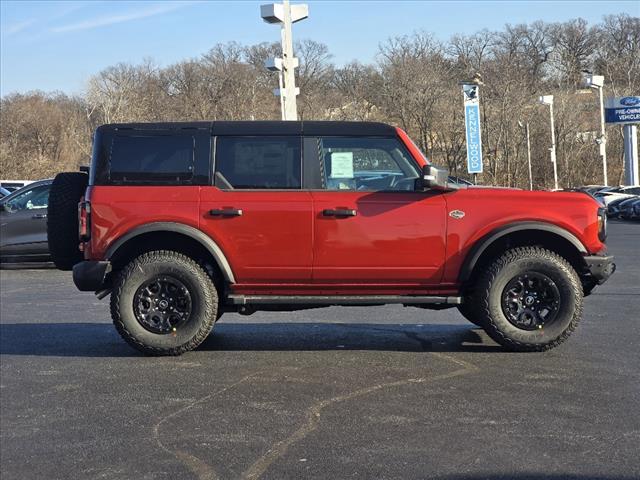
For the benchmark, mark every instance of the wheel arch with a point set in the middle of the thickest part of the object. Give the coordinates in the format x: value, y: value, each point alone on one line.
x: 550, y: 236
x: 166, y: 233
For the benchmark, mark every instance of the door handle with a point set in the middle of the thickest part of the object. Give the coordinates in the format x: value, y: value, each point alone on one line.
x: 226, y: 212
x: 340, y: 212
x: 39, y: 215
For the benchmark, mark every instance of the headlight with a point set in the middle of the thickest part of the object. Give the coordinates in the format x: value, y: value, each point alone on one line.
x: 602, y: 224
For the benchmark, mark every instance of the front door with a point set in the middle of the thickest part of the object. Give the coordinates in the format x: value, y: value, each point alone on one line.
x: 257, y: 211
x: 371, y: 226
x: 23, y: 229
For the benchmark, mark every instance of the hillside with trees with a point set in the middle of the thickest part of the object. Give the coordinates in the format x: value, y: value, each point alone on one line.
x: 412, y: 83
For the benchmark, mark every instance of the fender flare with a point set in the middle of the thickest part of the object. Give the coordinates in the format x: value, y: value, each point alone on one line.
x: 205, y: 240
x: 483, y: 243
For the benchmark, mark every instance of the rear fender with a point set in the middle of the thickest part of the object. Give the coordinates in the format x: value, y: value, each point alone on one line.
x: 206, y: 241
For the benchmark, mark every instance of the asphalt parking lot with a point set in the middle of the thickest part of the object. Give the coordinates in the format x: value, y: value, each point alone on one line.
x: 385, y: 392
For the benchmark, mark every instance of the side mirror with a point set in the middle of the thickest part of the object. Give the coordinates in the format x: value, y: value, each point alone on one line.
x: 433, y: 178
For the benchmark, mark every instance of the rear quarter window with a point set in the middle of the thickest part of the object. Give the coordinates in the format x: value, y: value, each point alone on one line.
x: 152, y: 159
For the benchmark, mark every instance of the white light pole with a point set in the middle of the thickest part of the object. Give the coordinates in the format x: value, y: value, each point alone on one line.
x: 275, y: 65
x: 526, y: 127
x: 284, y: 15
x: 548, y: 100
x: 631, y: 154
x: 597, y: 81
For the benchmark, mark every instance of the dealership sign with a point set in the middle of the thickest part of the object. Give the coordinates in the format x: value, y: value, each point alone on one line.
x: 472, y: 127
x: 622, y: 110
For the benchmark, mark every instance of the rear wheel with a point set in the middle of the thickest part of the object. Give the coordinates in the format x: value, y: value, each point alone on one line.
x: 530, y: 299
x: 62, y: 218
x: 164, y: 303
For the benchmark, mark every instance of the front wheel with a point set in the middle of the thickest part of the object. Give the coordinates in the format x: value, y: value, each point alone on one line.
x: 530, y: 299
x: 164, y: 303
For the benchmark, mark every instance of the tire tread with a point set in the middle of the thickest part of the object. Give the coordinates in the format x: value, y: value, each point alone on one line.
x: 62, y: 218
x: 210, y: 299
x: 487, y: 279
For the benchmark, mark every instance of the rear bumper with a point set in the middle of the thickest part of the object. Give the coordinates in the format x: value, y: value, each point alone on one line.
x: 90, y: 275
x: 601, y: 267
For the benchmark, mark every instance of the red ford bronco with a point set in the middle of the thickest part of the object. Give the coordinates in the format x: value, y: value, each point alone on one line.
x: 181, y: 222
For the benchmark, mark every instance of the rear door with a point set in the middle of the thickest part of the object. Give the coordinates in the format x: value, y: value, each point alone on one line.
x: 257, y: 211
x: 371, y: 226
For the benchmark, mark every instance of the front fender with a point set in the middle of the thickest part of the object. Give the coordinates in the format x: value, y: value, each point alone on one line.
x: 482, y: 244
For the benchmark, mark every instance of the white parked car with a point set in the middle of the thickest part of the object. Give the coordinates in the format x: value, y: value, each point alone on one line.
x: 616, y: 193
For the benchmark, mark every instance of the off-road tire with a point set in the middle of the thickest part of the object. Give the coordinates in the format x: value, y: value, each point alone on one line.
x: 489, y: 290
x: 469, y: 310
x: 62, y: 218
x: 200, y: 286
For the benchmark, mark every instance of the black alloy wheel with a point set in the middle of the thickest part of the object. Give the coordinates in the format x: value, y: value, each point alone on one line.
x: 531, y: 301
x: 162, y: 304
x: 528, y: 299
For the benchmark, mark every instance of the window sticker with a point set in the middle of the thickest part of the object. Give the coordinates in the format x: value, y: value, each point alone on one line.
x: 342, y: 165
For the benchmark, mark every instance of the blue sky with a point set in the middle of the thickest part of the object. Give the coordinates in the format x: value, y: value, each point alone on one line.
x: 57, y: 45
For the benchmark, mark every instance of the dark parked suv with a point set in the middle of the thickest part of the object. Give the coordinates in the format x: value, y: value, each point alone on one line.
x: 23, y: 220
x: 182, y: 222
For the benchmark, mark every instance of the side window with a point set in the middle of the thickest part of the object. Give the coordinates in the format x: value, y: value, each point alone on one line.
x: 367, y: 164
x: 154, y: 158
x: 258, y: 162
x: 37, y: 197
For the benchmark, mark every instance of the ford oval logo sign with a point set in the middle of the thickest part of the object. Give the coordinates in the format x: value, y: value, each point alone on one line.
x: 630, y: 101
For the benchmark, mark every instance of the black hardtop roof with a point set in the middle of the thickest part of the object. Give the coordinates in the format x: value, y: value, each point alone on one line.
x: 266, y: 127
